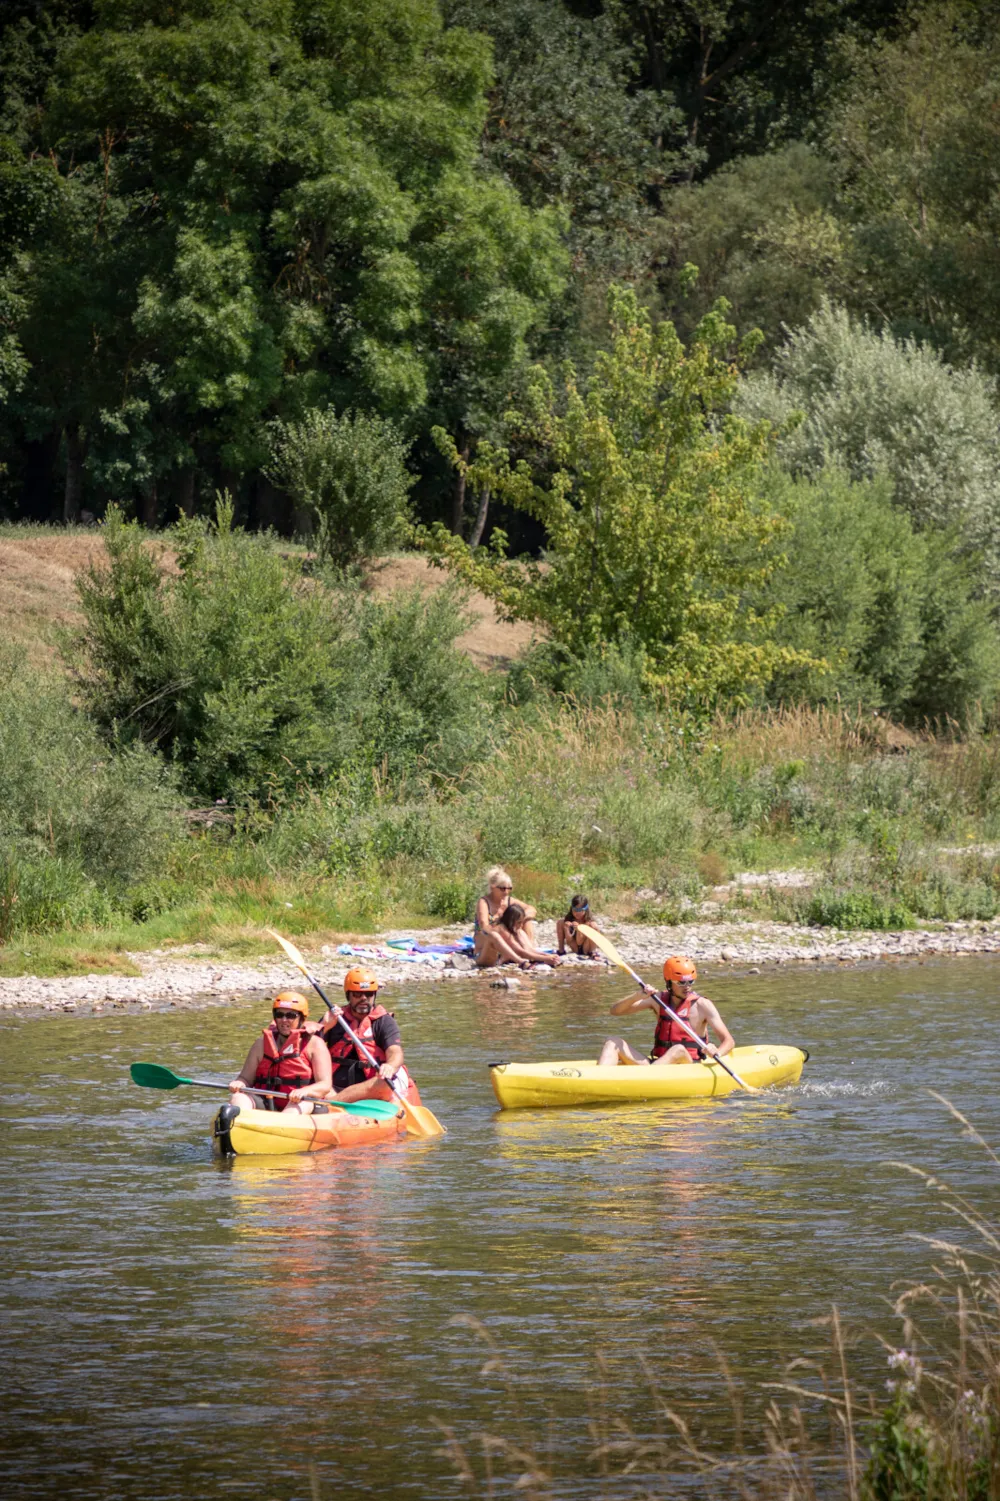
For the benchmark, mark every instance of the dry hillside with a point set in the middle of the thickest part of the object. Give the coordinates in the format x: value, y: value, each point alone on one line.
x: 37, y: 570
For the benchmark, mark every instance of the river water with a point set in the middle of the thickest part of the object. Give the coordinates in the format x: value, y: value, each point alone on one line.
x: 178, y: 1327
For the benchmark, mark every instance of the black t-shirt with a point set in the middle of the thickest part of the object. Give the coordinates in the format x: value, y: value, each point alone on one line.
x: 385, y: 1032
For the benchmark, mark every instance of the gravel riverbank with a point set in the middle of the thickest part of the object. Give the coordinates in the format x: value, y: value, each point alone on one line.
x: 189, y: 977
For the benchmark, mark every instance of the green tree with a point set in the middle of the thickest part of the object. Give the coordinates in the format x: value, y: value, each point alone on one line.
x: 648, y: 497
x: 750, y: 74
x: 916, y: 137
x: 568, y: 123
x: 763, y: 232
x: 262, y: 209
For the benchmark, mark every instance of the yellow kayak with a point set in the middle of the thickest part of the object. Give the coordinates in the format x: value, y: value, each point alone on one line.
x: 522, y: 1086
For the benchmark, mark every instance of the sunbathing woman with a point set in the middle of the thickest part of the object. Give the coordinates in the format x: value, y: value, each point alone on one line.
x: 489, y: 946
x: 515, y: 923
x: 567, y: 936
x: 491, y: 943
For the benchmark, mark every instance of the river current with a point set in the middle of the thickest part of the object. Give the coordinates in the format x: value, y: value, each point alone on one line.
x: 174, y: 1326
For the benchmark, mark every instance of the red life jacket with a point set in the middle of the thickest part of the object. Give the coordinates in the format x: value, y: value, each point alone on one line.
x: 343, y: 1049
x: 284, y: 1066
x: 668, y: 1032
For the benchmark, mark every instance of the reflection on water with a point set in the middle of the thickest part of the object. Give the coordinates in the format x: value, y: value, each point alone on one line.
x: 175, y: 1326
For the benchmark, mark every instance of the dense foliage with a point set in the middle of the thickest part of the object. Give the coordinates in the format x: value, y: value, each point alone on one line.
x: 655, y: 532
x: 259, y: 685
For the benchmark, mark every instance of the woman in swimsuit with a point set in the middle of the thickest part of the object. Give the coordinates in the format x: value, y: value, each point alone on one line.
x: 491, y: 946
x: 491, y: 943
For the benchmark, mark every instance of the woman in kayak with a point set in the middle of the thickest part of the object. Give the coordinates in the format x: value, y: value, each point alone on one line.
x: 286, y: 1058
x: 671, y: 1043
x: 490, y: 940
x: 567, y: 936
x: 355, y: 1077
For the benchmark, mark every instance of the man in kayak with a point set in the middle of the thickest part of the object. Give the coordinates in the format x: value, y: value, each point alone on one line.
x: 671, y: 1044
x: 286, y: 1058
x: 354, y: 1077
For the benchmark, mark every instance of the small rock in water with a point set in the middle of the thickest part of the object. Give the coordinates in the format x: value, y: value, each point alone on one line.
x: 505, y: 982
x: 754, y: 970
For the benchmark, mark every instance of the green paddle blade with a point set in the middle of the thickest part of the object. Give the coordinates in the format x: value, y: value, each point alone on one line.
x: 155, y: 1076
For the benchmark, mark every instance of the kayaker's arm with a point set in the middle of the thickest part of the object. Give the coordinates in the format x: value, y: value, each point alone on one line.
x: 633, y: 1003
x: 248, y: 1072
x: 710, y: 1014
x: 393, y: 1061
x: 321, y: 1087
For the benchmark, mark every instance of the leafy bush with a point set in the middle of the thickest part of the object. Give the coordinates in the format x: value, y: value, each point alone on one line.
x: 649, y: 496
x: 416, y: 696
x: 260, y: 684
x: 454, y: 900
x: 350, y: 472
x: 857, y: 909
x: 875, y: 405
x: 98, y: 814
x: 890, y: 611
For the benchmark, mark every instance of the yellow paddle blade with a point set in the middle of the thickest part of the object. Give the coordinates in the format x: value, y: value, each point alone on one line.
x: 290, y: 950
x: 420, y: 1121
x: 605, y: 945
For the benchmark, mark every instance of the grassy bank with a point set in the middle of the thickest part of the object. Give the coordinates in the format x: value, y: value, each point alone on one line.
x: 232, y: 738
x: 648, y: 821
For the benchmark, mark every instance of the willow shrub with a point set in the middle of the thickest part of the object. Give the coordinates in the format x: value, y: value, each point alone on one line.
x: 261, y: 684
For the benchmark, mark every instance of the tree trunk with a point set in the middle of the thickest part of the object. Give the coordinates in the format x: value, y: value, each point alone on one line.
x: 270, y: 510
x: 40, y: 499
x: 149, y: 506
x: 458, y: 493
x: 185, y: 495
x: 480, y: 526
x: 73, y: 493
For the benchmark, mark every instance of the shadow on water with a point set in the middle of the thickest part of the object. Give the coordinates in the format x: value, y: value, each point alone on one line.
x: 176, y: 1326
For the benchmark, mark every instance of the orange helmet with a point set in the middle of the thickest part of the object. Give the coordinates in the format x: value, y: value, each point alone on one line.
x: 291, y: 1000
x: 363, y: 980
x: 679, y: 967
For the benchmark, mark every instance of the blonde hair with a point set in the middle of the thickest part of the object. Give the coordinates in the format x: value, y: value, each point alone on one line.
x: 495, y: 875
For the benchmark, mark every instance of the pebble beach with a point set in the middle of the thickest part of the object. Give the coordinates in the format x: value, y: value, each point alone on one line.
x: 190, y: 977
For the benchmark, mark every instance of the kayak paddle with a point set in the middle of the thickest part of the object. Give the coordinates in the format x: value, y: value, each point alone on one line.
x: 419, y: 1120
x: 155, y: 1076
x: 608, y: 949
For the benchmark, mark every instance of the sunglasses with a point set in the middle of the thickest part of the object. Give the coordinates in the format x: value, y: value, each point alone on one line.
x: 286, y: 1016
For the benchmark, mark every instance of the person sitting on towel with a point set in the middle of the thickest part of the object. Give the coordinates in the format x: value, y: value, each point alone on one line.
x: 671, y: 1043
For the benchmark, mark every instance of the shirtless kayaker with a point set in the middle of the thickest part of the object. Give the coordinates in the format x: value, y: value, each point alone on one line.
x: 286, y: 1058
x: 354, y: 1078
x: 671, y: 1044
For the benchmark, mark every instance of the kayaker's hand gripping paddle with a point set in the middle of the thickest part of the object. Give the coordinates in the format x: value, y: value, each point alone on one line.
x: 608, y: 949
x: 419, y: 1120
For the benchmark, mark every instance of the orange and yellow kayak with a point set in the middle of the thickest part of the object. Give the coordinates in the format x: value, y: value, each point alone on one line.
x: 260, y: 1133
